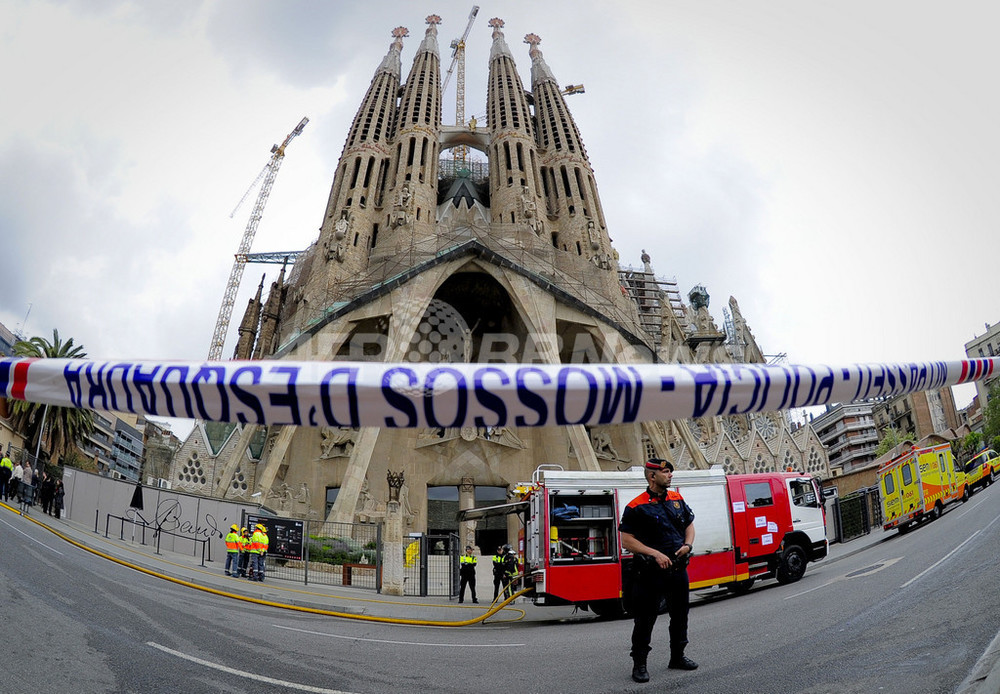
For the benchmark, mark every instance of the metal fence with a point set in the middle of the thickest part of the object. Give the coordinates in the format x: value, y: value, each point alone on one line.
x: 857, y: 513
x: 430, y: 565
x: 333, y: 554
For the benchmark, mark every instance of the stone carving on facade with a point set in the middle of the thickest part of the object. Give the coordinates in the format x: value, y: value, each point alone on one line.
x: 503, y: 436
x: 434, y: 435
x: 595, y: 245
x: 603, y: 261
x: 368, y: 508
x: 282, y: 497
x: 604, y: 448
x: 530, y: 211
x: 335, y: 249
x: 337, y: 442
x: 401, y: 209
x: 302, y: 497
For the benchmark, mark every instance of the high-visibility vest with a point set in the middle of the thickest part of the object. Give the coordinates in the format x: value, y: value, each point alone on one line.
x: 233, y: 542
x: 245, y: 543
x: 5, y: 462
x: 466, y: 559
x: 258, y: 542
x: 264, y: 542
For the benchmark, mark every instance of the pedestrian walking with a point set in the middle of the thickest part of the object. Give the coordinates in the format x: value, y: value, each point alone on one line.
x: 467, y: 573
x: 232, y: 551
x: 15, y: 481
x: 658, y: 528
x: 28, y: 479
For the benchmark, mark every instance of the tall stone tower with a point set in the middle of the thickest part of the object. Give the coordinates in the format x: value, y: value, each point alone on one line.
x: 422, y: 257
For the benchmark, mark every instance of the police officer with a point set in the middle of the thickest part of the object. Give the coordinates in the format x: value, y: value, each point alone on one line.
x: 658, y: 528
x: 467, y: 572
x: 6, y: 472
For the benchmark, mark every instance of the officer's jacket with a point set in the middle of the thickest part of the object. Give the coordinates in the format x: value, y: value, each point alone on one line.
x: 658, y: 521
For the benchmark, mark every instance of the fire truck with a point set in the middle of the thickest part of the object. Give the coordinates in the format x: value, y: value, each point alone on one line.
x: 748, y: 527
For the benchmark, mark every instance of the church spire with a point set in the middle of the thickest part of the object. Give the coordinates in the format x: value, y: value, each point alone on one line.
x: 416, y: 148
x: 514, y: 180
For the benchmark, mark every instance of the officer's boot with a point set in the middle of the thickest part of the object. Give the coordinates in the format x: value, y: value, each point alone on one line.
x: 639, y: 671
x: 678, y: 661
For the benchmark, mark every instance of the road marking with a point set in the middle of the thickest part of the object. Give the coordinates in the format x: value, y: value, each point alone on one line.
x: 967, y: 540
x: 247, y: 675
x: 51, y: 549
x: 942, y: 559
x: 857, y: 573
x: 403, y: 643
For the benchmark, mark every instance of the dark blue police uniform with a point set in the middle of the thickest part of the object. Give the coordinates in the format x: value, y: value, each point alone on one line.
x: 659, y: 522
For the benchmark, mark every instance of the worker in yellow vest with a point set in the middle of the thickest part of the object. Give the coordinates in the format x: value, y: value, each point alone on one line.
x: 232, y: 551
x: 6, y: 472
x: 258, y: 548
x: 467, y: 572
x: 244, y: 552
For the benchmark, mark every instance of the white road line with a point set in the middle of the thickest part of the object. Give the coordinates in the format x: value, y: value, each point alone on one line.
x: 31, y: 538
x: 942, y: 559
x: 247, y: 675
x: 404, y: 643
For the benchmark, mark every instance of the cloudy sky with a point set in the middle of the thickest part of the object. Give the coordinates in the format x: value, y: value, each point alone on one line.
x: 831, y: 165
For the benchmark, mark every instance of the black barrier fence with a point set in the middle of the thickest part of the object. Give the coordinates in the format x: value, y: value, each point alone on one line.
x: 148, y: 534
x: 857, y: 513
x: 430, y: 565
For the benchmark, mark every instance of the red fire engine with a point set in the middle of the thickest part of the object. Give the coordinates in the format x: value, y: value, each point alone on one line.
x: 747, y: 527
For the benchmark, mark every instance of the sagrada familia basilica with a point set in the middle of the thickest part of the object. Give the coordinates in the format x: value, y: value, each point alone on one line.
x: 428, y: 255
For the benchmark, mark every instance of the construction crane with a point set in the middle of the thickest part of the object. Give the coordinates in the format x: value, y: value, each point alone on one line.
x: 229, y: 298
x: 458, y: 59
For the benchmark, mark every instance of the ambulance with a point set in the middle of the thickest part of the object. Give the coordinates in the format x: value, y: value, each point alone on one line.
x: 982, y: 470
x: 748, y: 527
x: 919, y: 484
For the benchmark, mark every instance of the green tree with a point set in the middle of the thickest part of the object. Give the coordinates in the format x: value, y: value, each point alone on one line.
x: 892, y: 437
x: 971, y: 444
x: 991, y: 415
x: 64, y: 426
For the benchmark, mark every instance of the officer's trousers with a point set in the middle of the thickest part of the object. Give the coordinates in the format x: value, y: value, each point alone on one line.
x: 653, y: 586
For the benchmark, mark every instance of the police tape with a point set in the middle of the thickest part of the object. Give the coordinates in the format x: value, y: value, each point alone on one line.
x: 370, y: 394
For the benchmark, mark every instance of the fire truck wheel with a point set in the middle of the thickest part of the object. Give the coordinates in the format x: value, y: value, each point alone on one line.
x: 607, y: 609
x: 791, y: 565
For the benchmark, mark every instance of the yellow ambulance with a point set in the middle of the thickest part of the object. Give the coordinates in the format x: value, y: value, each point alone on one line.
x: 918, y: 484
x: 982, y: 470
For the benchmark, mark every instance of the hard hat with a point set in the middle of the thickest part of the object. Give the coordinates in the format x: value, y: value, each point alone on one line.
x: 244, y: 530
x: 508, y: 548
x: 234, y: 527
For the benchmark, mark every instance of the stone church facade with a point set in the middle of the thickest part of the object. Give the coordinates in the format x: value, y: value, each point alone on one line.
x: 423, y: 256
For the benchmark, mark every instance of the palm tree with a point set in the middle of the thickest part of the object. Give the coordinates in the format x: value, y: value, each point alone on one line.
x: 64, y: 426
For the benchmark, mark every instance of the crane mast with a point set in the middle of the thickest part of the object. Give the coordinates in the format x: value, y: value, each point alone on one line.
x: 458, y: 60
x: 239, y: 264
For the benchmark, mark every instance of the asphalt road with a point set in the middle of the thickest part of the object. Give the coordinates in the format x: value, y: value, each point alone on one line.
x: 913, y: 613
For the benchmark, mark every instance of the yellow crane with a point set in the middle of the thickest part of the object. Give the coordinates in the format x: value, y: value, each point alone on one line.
x: 458, y: 60
x: 233, y: 286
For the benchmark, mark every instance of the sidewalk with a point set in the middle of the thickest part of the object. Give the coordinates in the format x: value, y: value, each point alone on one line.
x: 342, y: 601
